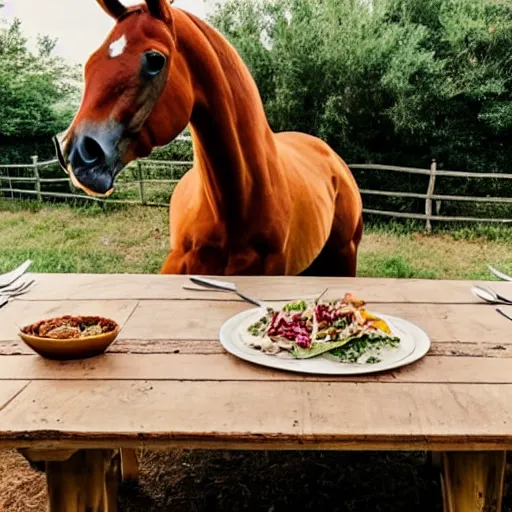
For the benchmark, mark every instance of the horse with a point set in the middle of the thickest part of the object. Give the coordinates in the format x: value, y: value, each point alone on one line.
x: 254, y: 202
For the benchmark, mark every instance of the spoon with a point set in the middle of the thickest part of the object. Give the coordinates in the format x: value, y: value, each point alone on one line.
x: 485, y: 293
x: 224, y: 285
x: 499, y: 274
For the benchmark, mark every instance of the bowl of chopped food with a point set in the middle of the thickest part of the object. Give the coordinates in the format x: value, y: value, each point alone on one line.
x: 70, y: 337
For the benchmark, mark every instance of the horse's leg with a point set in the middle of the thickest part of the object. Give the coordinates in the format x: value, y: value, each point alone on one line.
x: 337, y: 259
x: 334, y: 262
x: 172, y: 264
x: 201, y: 261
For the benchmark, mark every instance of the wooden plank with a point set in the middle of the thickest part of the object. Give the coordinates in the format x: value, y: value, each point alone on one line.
x: 20, y: 313
x: 129, y: 465
x: 430, y: 191
x: 457, y: 349
x: 145, y: 286
x: 9, y: 390
x: 444, y: 218
x: 500, y: 350
x: 78, y: 196
x: 399, y: 215
x: 380, y: 167
x: 436, y: 197
x: 137, y: 346
x: 473, y: 482
x: 273, y: 414
x: 224, y: 367
x: 473, y: 199
x: 180, y: 319
x: 415, y: 170
x: 462, y: 174
x: 195, y: 320
x: 37, y: 178
x: 392, y: 193
x: 86, y: 482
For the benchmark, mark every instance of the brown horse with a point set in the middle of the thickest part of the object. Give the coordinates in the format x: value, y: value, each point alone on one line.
x: 254, y: 202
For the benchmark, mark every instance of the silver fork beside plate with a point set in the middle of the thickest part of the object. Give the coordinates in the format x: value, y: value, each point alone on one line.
x: 203, y: 283
x: 10, y: 288
x: 225, y: 286
x: 9, y: 277
x: 6, y: 297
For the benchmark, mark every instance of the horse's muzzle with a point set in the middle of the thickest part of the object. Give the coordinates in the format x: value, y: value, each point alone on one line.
x: 90, y: 157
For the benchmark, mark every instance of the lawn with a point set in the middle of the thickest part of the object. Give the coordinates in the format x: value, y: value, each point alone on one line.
x: 115, y: 239
x: 135, y: 240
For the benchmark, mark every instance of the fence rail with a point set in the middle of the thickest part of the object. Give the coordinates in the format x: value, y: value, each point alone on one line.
x: 138, y: 167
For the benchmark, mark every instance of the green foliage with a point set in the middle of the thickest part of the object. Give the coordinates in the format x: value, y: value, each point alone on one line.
x: 387, y: 81
x: 395, y: 266
x: 179, y: 150
x: 39, y: 92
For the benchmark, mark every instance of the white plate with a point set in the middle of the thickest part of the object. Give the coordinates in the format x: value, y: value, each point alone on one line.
x: 414, y: 344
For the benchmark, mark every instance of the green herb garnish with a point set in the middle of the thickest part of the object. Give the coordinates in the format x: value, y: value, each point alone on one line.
x: 296, y: 306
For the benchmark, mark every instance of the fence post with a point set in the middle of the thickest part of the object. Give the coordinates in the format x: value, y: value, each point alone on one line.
x: 10, y: 183
x: 35, y: 159
x: 430, y: 193
x: 141, y: 182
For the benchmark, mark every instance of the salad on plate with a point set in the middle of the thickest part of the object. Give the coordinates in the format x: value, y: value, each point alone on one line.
x: 341, y: 329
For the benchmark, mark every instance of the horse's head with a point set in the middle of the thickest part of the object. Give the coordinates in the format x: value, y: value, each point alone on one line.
x: 127, y: 83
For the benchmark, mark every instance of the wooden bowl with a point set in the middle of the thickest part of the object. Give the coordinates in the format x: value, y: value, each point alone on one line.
x: 69, y: 348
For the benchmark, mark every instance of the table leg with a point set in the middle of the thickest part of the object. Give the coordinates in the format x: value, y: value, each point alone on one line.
x: 473, y: 481
x: 84, y: 481
x: 129, y: 464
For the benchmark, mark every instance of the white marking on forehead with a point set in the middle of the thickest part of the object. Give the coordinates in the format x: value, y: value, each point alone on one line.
x: 117, y: 47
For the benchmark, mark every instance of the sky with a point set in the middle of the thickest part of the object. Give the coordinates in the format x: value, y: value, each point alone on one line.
x: 79, y: 25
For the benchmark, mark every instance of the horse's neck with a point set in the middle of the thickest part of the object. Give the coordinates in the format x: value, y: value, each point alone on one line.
x: 233, y: 143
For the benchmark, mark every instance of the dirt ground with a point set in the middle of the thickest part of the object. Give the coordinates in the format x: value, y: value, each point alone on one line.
x: 199, y: 481
x: 252, y: 481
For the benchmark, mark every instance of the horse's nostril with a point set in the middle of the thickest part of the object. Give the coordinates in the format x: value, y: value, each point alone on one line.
x: 90, y: 151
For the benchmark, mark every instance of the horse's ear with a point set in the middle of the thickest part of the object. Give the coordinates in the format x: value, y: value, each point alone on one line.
x: 113, y: 8
x: 160, y: 9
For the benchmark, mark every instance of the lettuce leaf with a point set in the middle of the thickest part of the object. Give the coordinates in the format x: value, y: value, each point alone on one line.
x: 318, y: 348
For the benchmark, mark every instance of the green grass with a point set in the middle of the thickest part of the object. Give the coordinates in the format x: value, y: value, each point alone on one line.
x: 120, y: 239
x: 87, y: 239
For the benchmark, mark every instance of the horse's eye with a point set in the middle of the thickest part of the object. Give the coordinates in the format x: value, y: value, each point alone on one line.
x: 153, y: 63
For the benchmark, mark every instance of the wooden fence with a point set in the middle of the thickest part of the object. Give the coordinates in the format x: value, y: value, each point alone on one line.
x: 140, y: 180
x: 35, y: 168
x: 430, y: 196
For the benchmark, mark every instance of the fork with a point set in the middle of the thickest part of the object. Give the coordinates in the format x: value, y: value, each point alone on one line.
x: 9, y: 278
x: 17, y: 288
x: 226, y: 286
x: 231, y: 287
x: 5, y: 298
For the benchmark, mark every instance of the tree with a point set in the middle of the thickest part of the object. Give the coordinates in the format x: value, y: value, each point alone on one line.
x: 382, y: 79
x: 38, y: 91
x: 386, y: 81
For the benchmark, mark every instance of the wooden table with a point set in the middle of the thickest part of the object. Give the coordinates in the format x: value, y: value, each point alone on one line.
x: 167, y: 382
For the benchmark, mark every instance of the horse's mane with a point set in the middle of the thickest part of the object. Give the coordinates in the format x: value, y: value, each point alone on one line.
x: 239, y: 79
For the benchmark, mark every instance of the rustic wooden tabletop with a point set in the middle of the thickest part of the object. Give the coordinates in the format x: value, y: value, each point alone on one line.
x: 167, y: 381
